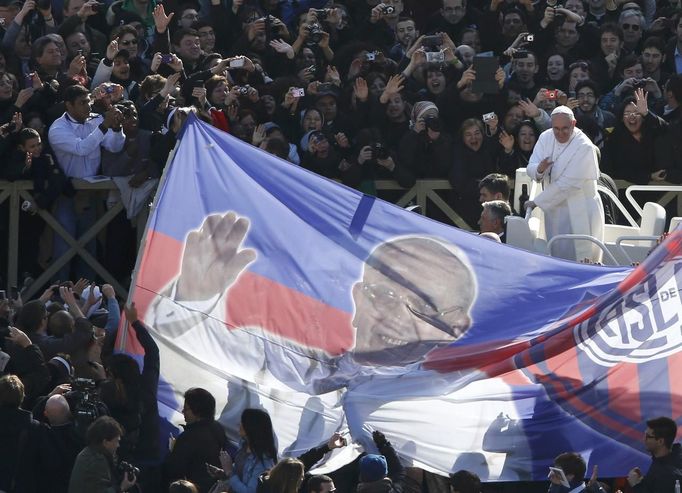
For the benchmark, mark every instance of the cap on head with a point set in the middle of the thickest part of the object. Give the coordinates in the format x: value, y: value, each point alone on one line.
x: 563, y: 110
x: 373, y: 467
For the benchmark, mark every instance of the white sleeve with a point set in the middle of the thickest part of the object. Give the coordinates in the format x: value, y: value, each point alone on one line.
x: 102, y: 74
x: 173, y: 318
x: 63, y: 139
x: 557, y: 192
x: 539, y: 153
x: 114, y: 141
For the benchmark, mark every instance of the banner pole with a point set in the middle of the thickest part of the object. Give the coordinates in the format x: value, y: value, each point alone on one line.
x: 120, y: 346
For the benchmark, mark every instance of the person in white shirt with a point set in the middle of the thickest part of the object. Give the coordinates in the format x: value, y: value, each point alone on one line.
x: 565, y: 161
x: 76, y: 138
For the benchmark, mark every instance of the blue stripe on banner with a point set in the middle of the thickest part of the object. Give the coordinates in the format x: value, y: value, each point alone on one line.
x: 361, y: 214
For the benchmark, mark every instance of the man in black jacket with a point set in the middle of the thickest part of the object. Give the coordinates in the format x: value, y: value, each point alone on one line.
x: 666, y: 459
x: 24, y: 453
x: 200, y: 443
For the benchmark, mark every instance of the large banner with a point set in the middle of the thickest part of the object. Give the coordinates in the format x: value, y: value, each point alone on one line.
x: 273, y: 287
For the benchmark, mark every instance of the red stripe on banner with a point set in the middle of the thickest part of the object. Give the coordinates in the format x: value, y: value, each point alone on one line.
x: 568, y: 363
x: 623, y: 387
x: 515, y: 377
x: 253, y: 301
x: 258, y: 301
x: 565, y: 366
x: 490, y: 353
x: 162, y: 256
x: 635, y: 277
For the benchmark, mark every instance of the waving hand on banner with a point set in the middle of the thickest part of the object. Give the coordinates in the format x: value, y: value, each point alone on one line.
x: 212, y: 259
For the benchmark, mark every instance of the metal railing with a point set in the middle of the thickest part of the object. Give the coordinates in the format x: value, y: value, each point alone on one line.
x: 424, y: 193
x: 18, y: 191
x: 421, y: 193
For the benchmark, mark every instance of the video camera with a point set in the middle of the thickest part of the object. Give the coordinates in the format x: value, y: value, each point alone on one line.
x: 85, y: 403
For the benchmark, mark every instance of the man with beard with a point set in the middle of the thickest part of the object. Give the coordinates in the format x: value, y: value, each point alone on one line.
x: 587, y: 93
x: 405, y: 34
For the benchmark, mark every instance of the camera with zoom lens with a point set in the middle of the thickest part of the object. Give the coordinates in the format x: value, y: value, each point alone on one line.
x: 387, y: 10
x: 379, y: 151
x: 433, y: 123
x: 127, y: 468
x: 315, y: 33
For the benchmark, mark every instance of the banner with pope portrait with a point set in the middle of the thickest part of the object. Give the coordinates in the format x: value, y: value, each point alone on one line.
x: 274, y: 287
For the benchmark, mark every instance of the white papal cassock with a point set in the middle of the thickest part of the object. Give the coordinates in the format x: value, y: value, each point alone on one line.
x: 569, y: 199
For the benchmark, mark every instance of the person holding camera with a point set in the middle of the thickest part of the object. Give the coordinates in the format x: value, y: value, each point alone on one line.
x: 426, y: 150
x: 380, y: 29
x: 96, y: 469
x: 631, y: 73
x: 34, y: 21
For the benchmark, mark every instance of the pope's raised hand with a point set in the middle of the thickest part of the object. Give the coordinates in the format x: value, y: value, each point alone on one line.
x: 213, y: 257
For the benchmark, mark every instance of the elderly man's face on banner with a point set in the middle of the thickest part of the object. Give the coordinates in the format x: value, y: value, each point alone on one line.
x: 415, y: 295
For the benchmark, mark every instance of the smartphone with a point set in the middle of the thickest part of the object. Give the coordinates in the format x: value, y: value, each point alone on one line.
x: 434, y: 40
x: 298, y: 92
x: 167, y: 58
x: 325, y: 86
x: 435, y: 57
x: 28, y: 80
x: 520, y: 54
x: 237, y: 63
x: 3, y: 294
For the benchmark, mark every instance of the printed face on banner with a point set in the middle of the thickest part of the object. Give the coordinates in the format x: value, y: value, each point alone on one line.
x: 415, y: 295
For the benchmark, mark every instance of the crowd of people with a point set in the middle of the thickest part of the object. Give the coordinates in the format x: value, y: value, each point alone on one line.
x: 355, y: 91
x: 76, y: 416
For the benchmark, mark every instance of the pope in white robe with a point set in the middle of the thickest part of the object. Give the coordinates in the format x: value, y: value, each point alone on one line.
x: 565, y: 161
